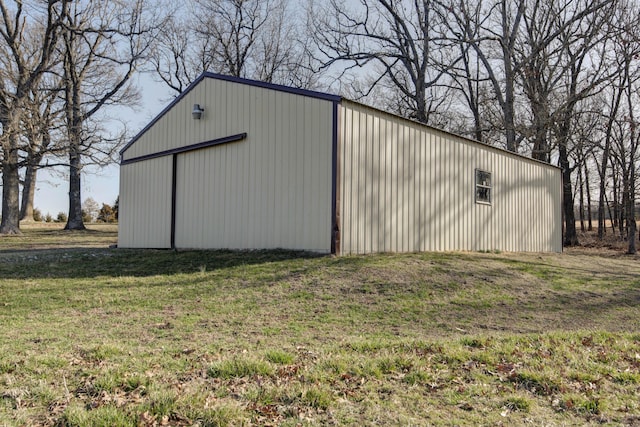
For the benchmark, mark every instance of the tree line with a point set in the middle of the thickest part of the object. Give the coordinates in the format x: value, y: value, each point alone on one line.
x: 91, y: 212
x: 63, y: 63
x: 553, y: 80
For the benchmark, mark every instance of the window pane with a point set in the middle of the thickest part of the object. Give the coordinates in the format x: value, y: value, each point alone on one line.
x: 483, y: 186
x: 483, y: 194
x: 483, y: 178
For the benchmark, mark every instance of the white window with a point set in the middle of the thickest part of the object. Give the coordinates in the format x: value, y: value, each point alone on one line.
x: 483, y: 187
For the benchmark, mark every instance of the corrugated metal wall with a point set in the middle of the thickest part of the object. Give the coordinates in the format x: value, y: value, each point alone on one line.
x: 144, y: 218
x: 270, y: 190
x: 406, y: 187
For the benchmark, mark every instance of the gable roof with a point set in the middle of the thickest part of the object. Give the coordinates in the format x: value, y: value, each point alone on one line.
x: 249, y: 82
x: 311, y: 94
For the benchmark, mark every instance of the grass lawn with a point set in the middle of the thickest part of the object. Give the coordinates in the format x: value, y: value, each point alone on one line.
x: 93, y: 336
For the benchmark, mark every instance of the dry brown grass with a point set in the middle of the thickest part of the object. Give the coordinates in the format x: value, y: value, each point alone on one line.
x: 612, y: 240
x: 94, y: 336
x: 42, y: 235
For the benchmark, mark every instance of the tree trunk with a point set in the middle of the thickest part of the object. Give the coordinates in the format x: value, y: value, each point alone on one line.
x: 473, y: 96
x: 602, y: 225
x: 10, y: 192
x: 632, y: 238
x: 564, y: 133
x: 74, y: 131
x: 570, y: 235
x: 631, y: 217
x: 622, y: 216
x: 507, y: 42
x: 614, y: 193
x: 587, y: 185
x: 28, y: 193
x: 74, y: 221
x: 475, y: 109
x: 581, y: 196
x: 628, y: 231
x: 613, y: 228
x: 510, y: 128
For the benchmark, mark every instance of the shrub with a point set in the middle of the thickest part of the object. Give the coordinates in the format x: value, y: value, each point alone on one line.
x: 85, y: 216
x: 106, y: 214
x: 89, y: 210
x: 116, y: 207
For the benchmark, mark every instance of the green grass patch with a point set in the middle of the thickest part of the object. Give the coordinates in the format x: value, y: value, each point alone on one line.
x: 279, y: 357
x: 104, y: 416
x: 535, y: 383
x: 318, y: 398
x: 238, y: 368
x: 515, y: 403
x: 95, y: 336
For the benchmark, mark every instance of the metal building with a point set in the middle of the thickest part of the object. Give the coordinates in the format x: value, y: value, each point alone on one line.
x: 240, y: 164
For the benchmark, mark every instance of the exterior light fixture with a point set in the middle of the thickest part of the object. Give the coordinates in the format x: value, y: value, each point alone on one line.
x: 197, y: 112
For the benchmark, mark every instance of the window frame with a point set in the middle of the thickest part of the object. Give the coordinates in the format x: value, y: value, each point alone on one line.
x: 478, y: 185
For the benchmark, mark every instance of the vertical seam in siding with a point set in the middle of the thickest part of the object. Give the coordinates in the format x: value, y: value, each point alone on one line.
x: 173, y: 200
x: 335, y: 194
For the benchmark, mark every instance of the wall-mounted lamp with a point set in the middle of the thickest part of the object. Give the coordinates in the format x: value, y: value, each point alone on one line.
x: 197, y: 112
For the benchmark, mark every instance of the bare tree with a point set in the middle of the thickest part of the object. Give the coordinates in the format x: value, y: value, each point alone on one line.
x: 102, y: 46
x: 613, y: 102
x: 39, y: 130
x: 90, y: 208
x: 401, y: 45
x: 491, y: 30
x: 619, y: 150
x: 178, y: 57
x: 28, y: 35
x: 626, y: 137
x: 585, y: 139
x: 467, y: 78
x: 257, y: 39
x: 582, y: 67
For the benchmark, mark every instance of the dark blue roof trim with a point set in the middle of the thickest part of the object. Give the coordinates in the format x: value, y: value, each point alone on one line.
x: 186, y: 148
x: 162, y: 113
x: 280, y: 88
x: 256, y: 83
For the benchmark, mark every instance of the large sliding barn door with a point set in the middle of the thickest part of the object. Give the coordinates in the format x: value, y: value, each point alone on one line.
x: 206, y: 201
x: 213, y: 206
x: 251, y: 195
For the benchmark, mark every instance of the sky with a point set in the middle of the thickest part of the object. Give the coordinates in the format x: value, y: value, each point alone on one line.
x: 102, y: 185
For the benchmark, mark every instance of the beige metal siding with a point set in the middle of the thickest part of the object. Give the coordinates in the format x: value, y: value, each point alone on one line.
x: 407, y: 187
x: 145, y: 204
x: 270, y: 190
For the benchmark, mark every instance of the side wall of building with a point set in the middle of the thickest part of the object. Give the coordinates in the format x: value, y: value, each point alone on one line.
x: 144, y: 217
x: 405, y: 187
x: 269, y: 190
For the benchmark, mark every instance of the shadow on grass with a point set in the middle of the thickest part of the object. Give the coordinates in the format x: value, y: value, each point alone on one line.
x: 49, y: 239
x: 76, y: 263
x: 546, y: 270
x: 560, y: 300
